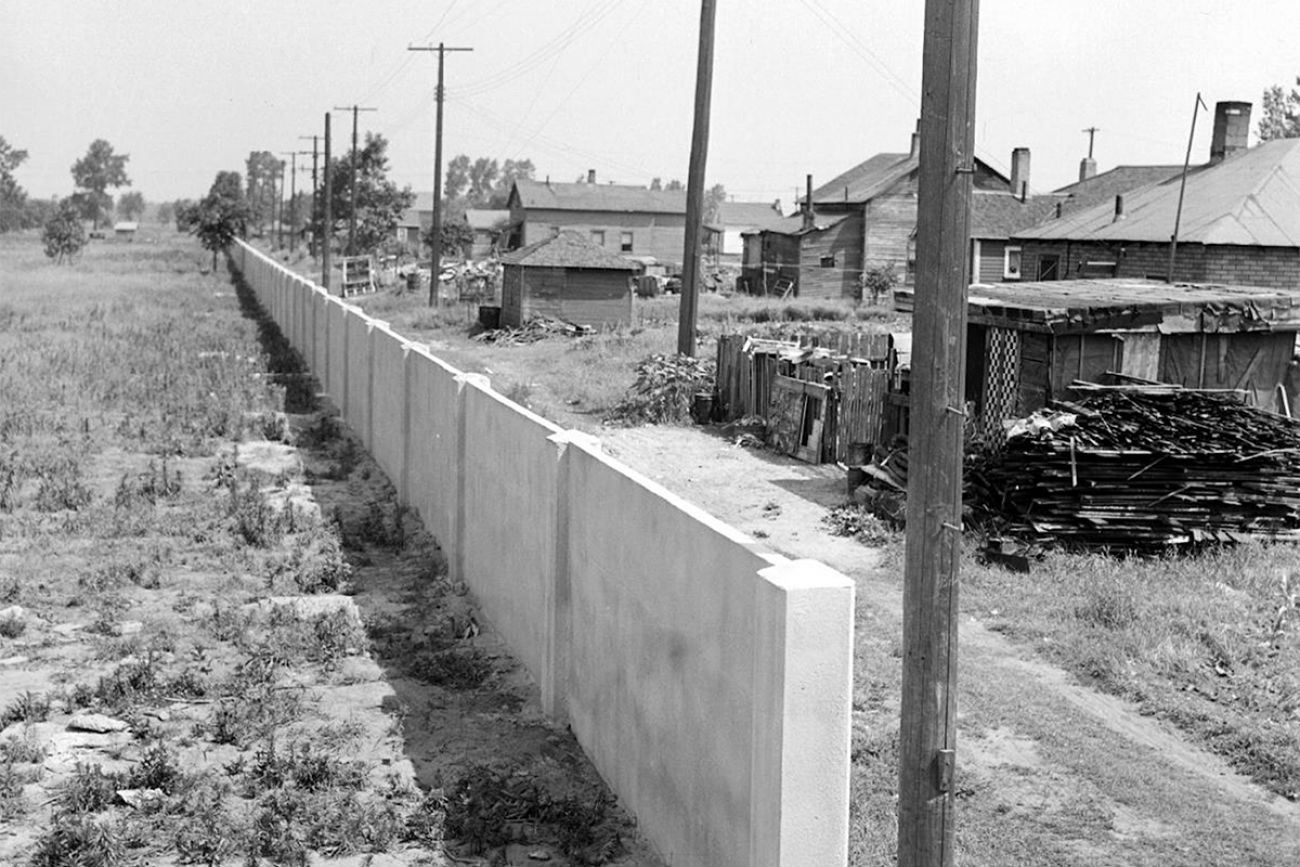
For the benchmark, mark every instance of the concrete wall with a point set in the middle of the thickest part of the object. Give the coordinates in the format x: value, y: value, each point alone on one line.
x: 708, y: 679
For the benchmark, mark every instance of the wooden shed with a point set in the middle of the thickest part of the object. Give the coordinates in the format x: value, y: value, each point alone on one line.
x: 566, y: 277
x: 1027, y: 342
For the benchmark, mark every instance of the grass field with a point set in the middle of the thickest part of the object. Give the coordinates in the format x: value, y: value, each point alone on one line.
x: 220, y: 639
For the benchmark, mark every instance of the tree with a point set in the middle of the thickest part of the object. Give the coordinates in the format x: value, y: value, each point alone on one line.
x: 714, y: 196
x: 166, y: 213
x: 511, y: 171
x: 457, y: 181
x: 262, y: 170
x: 457, y: 236
x: 185, y: 212
x: 64, y: 234
x: 130, y: 206
x: 380, y: 202
x: 1281, y: 118
x: 94, y: 173
x: 221, y: 216
x: 13, y: 198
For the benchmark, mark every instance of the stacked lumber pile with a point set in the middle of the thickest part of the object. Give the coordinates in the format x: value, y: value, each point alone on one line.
x: 1142, y: 469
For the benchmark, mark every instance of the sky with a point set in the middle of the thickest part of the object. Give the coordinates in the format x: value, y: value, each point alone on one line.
x: 188, y: 89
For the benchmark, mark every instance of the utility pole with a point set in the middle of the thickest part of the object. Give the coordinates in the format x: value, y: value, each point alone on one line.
x: 435, y: 238
x: 327, y: 223
x: 927, y: 743
x: 352, y: 193
x: 695, y: 184
x: 1092, y: 133
x: 293, y: 197
x: 1182, y: 188
x: 311, y: 245
x: 278, y: 199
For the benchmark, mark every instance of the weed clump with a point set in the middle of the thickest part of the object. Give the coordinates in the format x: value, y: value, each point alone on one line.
x: 858, y: 522
x: 664, y: 388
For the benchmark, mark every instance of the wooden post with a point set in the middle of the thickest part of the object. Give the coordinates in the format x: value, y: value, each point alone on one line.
x: 695, y: 184
x: 327, y: 222
x: 928, y: 737
x: 1182, y: 188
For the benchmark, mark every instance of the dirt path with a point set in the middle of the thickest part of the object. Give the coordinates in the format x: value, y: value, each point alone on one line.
x: 1022, y: 718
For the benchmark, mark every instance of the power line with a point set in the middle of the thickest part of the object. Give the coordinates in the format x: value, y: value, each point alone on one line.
x: 352, y: 217
x: 435, y: 235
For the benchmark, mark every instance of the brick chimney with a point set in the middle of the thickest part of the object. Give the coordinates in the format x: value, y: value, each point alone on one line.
x: 1020, y: 173
x: 1231, y: 130
x: 591, y: 176
x: 1087, y: 168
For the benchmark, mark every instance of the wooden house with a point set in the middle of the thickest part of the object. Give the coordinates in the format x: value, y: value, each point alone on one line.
x: 621, y: 219
x: 489, y: 229
x: 566, y: 277
x: 1026, y: 343
x: 125, y: 230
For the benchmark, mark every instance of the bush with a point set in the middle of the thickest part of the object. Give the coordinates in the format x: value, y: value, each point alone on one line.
x: 664, y: 388
x: 64, y: 235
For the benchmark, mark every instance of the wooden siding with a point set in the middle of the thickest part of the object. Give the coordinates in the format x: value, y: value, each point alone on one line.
x: 583, y: 296
x: 840, y: 244
x: 662, y: 236
x: 889, y: 221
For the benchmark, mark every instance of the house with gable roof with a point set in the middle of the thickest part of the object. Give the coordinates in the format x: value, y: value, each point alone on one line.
x: 1239, y: 222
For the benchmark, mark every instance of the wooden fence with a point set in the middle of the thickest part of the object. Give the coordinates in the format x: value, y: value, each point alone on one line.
x: 823, y: 397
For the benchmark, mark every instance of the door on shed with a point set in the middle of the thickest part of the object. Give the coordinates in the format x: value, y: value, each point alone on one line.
x: 1253, y: 362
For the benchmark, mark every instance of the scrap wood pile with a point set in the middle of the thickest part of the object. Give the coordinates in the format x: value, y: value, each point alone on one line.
x: 1142, y: 469
x: 538, y: 328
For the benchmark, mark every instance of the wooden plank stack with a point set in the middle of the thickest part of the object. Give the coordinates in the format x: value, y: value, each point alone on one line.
x: 1144, y: 469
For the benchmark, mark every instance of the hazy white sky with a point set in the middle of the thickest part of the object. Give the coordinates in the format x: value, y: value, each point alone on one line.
x: 189, y: 88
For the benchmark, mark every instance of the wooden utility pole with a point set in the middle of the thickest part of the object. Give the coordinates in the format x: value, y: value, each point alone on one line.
x: 278, y: 199
x: 435, y: 237
x: 315, y: 189
x: 928, y: 736
x: 1092, y: 135
x: 293, y: 197
x: 352, y: 187
x: 695, y: 184
x: 327, y: 223
x: 1182, y: 188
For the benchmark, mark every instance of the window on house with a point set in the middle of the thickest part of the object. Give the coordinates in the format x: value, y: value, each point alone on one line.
x: 1011, y: 260
x: 828, y: 261
x: 625, y: 242
x: 598, y: 237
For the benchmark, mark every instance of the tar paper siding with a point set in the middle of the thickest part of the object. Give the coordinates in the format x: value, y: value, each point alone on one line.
x: 584, y: 296
x: 1270, y: 267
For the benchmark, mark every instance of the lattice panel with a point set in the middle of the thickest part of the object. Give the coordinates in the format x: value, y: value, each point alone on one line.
x: 1001, y: 381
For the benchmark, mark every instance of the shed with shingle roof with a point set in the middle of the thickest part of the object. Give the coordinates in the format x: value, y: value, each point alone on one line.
x: 569, y: 278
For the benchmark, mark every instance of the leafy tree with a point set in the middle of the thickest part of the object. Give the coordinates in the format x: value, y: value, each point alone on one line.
x: 262, y: 170
x: 130, y: 206
x: 457, y: 180
x: 166, y: 213
x: 1281, y: 118
x: 714, y: 196
x: 94, y: 173
x: 511, y: 171
x: 13, y: 198
x: 483, y: 183
x: 64, y: 234
x: 675, y: 186
x: 457, y: 236
x: 222, y: 215
x: 380, y: 202
x: 185, y: 212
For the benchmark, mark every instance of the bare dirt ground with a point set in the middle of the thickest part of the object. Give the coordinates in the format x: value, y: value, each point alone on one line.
x: 1028, y: 729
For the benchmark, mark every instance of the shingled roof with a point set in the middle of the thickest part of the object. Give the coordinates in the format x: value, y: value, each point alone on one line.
x: 619, y: 198
x: 567, y: 250
x: 1250, y: 199
x: 997, y: 215
x: 1116, y: 182
x: 866, y: 180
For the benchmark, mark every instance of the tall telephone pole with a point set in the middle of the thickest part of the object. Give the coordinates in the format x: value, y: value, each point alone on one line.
x: 293, y: 197
x: 927, y: 743
x: 278, y: 199
x: 695, y: 184
x: 352, y: 192
x: 315, y: 189
x: 435, y: 240
x: 327, y: 224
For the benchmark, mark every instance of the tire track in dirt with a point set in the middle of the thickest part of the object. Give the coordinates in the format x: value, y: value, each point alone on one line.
x: 782, y: 502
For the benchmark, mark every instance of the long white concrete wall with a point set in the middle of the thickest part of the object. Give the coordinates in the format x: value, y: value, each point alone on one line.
x: 708, y: 679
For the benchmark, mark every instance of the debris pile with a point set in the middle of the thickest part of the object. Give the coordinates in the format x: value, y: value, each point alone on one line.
x: 532, y: 331
x: 1145, y: 468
